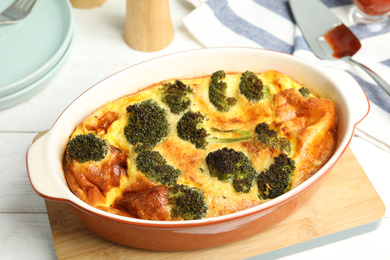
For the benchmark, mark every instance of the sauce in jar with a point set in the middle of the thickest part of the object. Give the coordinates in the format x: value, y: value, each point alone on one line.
x: 373, y: 7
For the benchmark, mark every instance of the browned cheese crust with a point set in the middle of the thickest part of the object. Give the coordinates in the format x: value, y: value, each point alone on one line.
x: 115, y: 185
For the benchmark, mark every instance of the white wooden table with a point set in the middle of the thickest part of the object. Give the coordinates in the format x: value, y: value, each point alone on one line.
x: 98, y: 52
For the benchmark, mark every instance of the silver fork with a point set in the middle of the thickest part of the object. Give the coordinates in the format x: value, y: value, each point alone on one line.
x: 16, y: 11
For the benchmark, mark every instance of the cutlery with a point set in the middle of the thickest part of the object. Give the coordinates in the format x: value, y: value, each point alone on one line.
x: 16, y: 11
x: 328, y: 37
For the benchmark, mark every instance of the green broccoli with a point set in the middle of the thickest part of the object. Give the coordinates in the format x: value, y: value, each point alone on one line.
x: 276, y: 180
x: 251, y: 86
x: 230, y: 165
x: 217, y: 92
x: 147, y: 123
x: 189, y: 129
x: 176, y: 96
x: 305, y: 92
x: 244, y: 136
x: 263, y: 134
x: 155, y: 167
x: 86, y: 147
x: 186, y: 203
x: 270, y: 137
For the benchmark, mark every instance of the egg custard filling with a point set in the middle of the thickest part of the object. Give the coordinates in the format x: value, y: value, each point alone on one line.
x: 202, y: 147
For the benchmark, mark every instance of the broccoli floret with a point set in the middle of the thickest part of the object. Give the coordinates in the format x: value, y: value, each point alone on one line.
x: 266, y: 135
x: 251, y: 86
x: 263, y: 133
x: 230, y: 165
x: 305, y: 92
x: 147, y: 123
x: 276, y: 180
x: 155, y: 167
x: 176, y: 96
x: 186, y: 202
x: 86, y: 147
x: 189, y: 129
x: 270, y: 137
x: 217, y: 92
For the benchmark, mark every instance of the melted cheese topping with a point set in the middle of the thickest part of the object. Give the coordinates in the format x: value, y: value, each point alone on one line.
x: 308, y: 123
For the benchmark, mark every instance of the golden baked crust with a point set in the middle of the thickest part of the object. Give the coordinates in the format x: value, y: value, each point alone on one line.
x: 115, y: 185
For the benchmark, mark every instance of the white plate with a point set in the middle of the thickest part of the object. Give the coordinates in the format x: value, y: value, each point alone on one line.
x: 32, y: 89
x: 32, y: 47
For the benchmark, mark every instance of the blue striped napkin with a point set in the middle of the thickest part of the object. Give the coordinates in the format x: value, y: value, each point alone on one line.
x: 270, y: 24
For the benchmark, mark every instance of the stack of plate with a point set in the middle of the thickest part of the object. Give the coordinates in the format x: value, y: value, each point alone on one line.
x: 33, y: 50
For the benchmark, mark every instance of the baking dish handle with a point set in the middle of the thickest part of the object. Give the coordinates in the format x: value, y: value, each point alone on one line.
x: 40, y: 171
x: 352, y: 93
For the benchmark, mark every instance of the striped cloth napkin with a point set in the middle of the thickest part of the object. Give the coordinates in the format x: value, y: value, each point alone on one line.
x: 270, y: 24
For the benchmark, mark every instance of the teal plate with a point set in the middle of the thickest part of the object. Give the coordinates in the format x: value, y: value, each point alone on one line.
x: 32, y: 47
x: 33, y: 88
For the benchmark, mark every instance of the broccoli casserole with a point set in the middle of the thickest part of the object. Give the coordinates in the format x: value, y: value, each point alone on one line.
x: 194, y: 148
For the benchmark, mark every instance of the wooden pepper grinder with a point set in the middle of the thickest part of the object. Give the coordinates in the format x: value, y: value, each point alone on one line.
x: 148, y: 25
x: 86, y: 4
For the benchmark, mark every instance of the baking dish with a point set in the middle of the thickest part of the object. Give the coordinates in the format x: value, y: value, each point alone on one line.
x: 44, y: 157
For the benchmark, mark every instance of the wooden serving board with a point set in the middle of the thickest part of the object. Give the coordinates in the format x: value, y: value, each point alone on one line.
x: 346, y: 200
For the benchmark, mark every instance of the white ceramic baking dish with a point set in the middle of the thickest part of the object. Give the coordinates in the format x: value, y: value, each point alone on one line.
x: 44, y: 158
